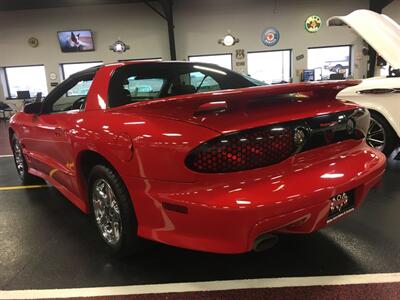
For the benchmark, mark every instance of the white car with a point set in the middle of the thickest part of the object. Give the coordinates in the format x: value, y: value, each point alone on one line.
x: 381, y: 95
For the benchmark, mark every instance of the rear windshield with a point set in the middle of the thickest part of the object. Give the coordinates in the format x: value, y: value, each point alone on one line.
x: 147, y: 81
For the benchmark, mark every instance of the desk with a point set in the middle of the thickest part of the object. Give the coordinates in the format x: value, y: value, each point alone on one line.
x: 15, y: 104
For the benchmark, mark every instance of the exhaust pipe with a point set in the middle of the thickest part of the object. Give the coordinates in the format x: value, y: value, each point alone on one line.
x: 264, y: 242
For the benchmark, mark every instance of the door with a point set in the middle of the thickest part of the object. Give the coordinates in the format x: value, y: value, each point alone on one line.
x: 52, y: 144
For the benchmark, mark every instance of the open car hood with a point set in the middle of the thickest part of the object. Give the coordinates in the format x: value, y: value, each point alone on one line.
x: 380, y: 31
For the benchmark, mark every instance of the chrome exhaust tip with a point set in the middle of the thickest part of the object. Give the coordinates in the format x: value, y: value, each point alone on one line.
x: 265, y: 242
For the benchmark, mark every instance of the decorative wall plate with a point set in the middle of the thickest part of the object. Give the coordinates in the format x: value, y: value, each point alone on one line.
x: 313, y: 23
x: 270, y: 36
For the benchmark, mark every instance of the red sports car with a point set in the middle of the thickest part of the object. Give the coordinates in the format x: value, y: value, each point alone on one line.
x: 197, y: 156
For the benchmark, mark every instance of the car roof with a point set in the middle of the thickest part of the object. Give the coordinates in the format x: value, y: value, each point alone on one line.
x: 93, y: 70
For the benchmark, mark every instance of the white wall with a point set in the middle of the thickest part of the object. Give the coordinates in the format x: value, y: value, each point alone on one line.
x: 198, y: 31
x: 198, y: 26
x: 135, y: 24
x: 393, y: 10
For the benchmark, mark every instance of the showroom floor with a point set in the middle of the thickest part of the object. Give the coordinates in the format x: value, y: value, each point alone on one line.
x: 48, y: 243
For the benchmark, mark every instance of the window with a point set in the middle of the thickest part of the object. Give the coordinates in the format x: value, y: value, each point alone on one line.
x: 334, y: 61
x: 28, y: 78
x: 144, y: 88
x: 222, y: 60
x: 384, y: 71
x: 71, y: 68
x: 270, y: 66
x: 71, y: 95
x: 146, y: 81
x: 203, y: 83
x: 80, y: 89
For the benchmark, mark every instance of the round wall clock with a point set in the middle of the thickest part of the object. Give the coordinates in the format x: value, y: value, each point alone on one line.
x: 33, y: 42
x: 313, y: 23
x: 270, y: 36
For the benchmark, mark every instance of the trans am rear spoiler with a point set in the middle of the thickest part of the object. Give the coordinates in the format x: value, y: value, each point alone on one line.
x: 237, y: 109
x: 322, y: 89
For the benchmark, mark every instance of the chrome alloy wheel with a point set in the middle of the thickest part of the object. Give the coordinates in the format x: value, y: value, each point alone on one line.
x: 376, y: 136
x: 106, y: 211
x: 19, y: 159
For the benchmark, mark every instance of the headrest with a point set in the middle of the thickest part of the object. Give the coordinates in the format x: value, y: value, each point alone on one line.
x: 183, y: 89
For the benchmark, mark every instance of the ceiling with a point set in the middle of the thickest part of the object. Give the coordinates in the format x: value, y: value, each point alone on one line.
x: 29, y: 4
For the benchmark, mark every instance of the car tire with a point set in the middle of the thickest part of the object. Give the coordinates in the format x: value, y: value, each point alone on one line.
x: 21, y: 165
x: 112, y: 211
x: 380, y: 129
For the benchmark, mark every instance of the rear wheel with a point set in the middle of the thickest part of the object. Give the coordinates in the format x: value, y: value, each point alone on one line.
x: 112, y: 211
x: 380, y: 134
x: 21, y: 165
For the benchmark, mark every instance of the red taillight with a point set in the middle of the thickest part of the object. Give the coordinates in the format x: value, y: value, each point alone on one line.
x: 265, y: 146
x: 243, y: 150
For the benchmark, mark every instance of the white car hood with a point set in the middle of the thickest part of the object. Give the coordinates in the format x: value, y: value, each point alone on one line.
x: 380, y: 31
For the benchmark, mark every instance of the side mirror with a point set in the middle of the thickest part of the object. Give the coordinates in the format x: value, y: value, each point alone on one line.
x: 33, y: 108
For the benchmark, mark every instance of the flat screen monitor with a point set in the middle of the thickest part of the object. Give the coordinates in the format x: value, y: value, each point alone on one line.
x: 76, y: 40
x: 308, y: 75
x: 23, y: 94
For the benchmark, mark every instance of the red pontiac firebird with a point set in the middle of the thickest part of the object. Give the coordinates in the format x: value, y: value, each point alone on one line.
x: 197, y: 156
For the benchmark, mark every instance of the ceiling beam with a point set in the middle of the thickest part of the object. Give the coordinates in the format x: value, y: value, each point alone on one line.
x: 28, y: 4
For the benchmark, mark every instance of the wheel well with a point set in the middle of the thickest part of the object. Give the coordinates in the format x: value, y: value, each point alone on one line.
x: 383, y: 117
x: 87, y: 160
x: 10, y: 134
x: 84, y: 164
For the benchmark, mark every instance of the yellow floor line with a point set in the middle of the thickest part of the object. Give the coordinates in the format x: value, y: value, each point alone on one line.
x: 22, y: 187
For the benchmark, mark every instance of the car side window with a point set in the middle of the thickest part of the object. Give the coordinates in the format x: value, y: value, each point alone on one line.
x: 193, y: 82
x: 73, y: 98
x: 203, y: 82
x: 144, y: 88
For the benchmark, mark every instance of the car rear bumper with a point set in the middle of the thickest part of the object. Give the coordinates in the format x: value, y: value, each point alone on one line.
x: 225, y: 213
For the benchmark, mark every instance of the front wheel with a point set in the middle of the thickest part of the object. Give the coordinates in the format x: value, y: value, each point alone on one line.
x: 112, y: 211
x: 380, y: 134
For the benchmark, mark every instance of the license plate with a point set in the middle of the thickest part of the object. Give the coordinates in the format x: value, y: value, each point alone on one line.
x: 341, y: 205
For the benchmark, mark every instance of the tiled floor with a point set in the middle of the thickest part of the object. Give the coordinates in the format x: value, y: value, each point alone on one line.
x: 48, y: 243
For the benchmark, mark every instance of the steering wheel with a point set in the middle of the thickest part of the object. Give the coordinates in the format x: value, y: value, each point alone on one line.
x: 79, y: 103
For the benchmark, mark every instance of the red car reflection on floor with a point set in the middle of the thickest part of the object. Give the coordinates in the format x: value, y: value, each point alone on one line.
x: 197, y: 156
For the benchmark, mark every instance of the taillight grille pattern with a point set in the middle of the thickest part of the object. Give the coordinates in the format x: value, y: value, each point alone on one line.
x: 264, y: 146
x: 243, y: 150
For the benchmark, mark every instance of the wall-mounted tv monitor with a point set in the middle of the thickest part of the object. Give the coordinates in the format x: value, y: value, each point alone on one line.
x: 76, y: 40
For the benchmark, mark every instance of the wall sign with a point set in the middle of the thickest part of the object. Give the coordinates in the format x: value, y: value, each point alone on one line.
x: 240, y: 54
x: 119, y: 47
x: 270, y: 36
x: 53, y: 76
x: 313, y: 23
